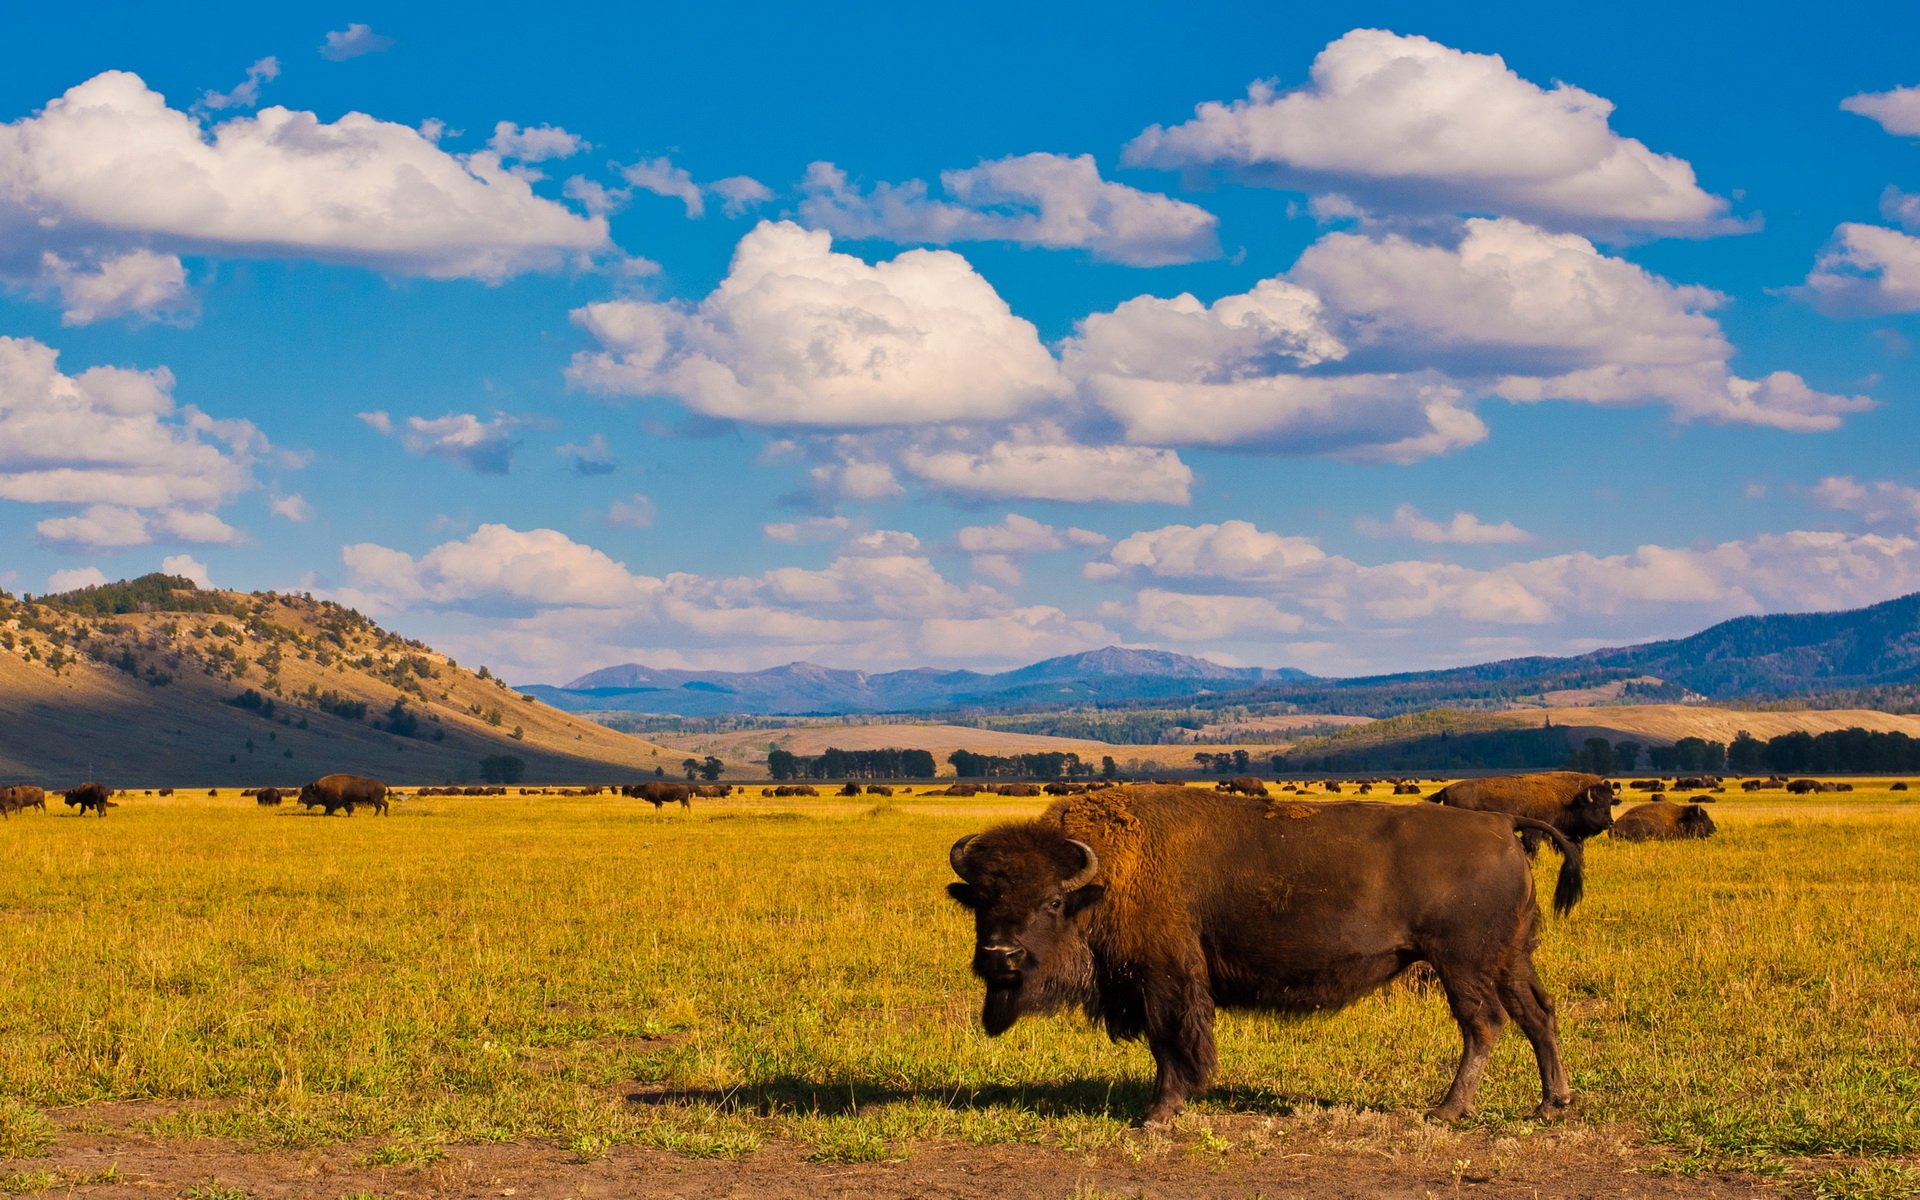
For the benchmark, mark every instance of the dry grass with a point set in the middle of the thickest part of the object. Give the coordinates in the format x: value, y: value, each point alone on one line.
x: 749, y: 746
x: 576, y: 970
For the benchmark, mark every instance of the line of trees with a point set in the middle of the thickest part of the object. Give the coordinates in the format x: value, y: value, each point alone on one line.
x: 834, y: 763
x: 1836, y: 751
x: 1050, y: 765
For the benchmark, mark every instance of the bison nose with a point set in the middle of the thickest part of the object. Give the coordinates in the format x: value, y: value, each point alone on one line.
x: 1000, y: 960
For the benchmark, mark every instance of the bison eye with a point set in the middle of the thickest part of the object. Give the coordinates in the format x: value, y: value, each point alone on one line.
x: 1053, y: 905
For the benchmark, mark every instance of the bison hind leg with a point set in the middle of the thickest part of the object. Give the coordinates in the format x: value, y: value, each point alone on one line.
x: 1532, y: 1010
x: 1473, y: 995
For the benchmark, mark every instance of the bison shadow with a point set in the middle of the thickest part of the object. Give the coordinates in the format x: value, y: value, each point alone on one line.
x: 1119, y: 1099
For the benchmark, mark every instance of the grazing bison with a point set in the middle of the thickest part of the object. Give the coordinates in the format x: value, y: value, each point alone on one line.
x: 1801, y: 787
x: 1242, y: 785
x: 344, y: 793
x: 656, y: 793
x: 1150, y: 908
x: 1663, y: 821
x: 1576, y: 804
x: 269, y: 797
x: 88, y: 796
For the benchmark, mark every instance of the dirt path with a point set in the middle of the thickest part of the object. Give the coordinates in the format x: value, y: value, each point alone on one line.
x: 1359, y: 1155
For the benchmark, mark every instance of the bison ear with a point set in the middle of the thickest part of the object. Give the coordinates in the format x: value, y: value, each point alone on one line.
x: 1084, y: 898
x: 962, y: 894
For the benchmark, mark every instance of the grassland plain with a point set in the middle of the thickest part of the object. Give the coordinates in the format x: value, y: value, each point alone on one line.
x: 783, y: 980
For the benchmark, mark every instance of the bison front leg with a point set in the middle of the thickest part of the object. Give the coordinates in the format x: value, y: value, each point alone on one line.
x: 1180, y: 1035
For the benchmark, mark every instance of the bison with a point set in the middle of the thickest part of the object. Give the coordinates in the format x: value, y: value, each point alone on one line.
x: 21, y: 797
x: 88, y: 796
x: 657, y: 793
x: 1576, y: 804
x: 269, y: 797
x: 344, y: 793
x: 1242, y: 785
x: 1663, y: 821
x: 1150, y: 908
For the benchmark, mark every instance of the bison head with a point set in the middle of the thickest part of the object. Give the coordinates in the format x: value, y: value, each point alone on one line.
x: 1028, y: 887
x: 1696, y: 822
x: 1590, y: 812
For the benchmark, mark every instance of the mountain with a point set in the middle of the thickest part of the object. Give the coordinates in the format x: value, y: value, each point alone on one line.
x: 1109, y: 675
x: 1868, y: 657
x: 1787, y: 655
x: 154, y: 682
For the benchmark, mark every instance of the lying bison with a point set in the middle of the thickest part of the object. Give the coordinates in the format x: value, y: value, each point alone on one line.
x: 93, y: 796
x: 1576, y: 804
x: 344, y: 793
x: 1663, y: 821
x: 1150, y: 908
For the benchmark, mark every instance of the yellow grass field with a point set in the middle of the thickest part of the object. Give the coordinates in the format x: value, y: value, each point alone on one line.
x: 783, y: 983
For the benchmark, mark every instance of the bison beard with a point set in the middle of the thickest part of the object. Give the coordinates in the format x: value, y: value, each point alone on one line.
x: 1208, y: 902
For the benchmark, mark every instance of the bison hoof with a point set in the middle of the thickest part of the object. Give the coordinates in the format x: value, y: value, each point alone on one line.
x: 1552, y: 1108
x: 1160, y: 1117
x: 1448, y: 1114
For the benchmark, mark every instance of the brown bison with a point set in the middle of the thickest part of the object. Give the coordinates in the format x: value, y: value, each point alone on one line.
x: 1663, y: 821
x: 1801, y: 787
x: 1576, y: 804
x: 88, y: 796
x: 269, y: 797
x: 657, y: 793
x: 21, y: 797
x: 344, y: 793
x: 1151, y: 908
x: 1242, y: 785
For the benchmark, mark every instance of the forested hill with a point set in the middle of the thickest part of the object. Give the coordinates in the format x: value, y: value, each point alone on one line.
x: 154, y: 682
x: 1866, y: 657
x: 1787, y: 655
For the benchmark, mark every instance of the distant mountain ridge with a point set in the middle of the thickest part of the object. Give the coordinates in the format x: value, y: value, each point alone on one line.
x: 1108, y: 675
x: 1871, y: 652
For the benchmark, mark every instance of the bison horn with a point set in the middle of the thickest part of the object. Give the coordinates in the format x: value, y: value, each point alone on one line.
x: 1085, y: 875
x: 958, y: 853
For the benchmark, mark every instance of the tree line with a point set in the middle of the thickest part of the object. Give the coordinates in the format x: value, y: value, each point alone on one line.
x: 1837, y: 751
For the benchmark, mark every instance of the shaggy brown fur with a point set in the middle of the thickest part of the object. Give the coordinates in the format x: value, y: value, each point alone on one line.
x: 88, y: 796
x: 21, y: 796
x: 657, y: 793
x: 1663, y: 821
x: 1198, y: 901
x: 344, y: 793
x: 1242, y: 785
x: 1577, y: 804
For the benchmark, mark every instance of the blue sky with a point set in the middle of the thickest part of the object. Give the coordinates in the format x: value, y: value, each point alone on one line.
x: 732, y: 336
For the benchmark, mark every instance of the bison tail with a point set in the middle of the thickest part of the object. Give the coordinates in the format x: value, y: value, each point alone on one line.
x: 1571, y: 884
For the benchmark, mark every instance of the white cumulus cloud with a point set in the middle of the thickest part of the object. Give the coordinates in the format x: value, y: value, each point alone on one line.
x: 798, y: 335
x: 278, y: 183
x: 1897, y: 111
x: 74, y: 579
x: 1406, y: 124
x: 113, y: 440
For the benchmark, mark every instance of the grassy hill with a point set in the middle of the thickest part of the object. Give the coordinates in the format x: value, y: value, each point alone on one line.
x: 153, y: 682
